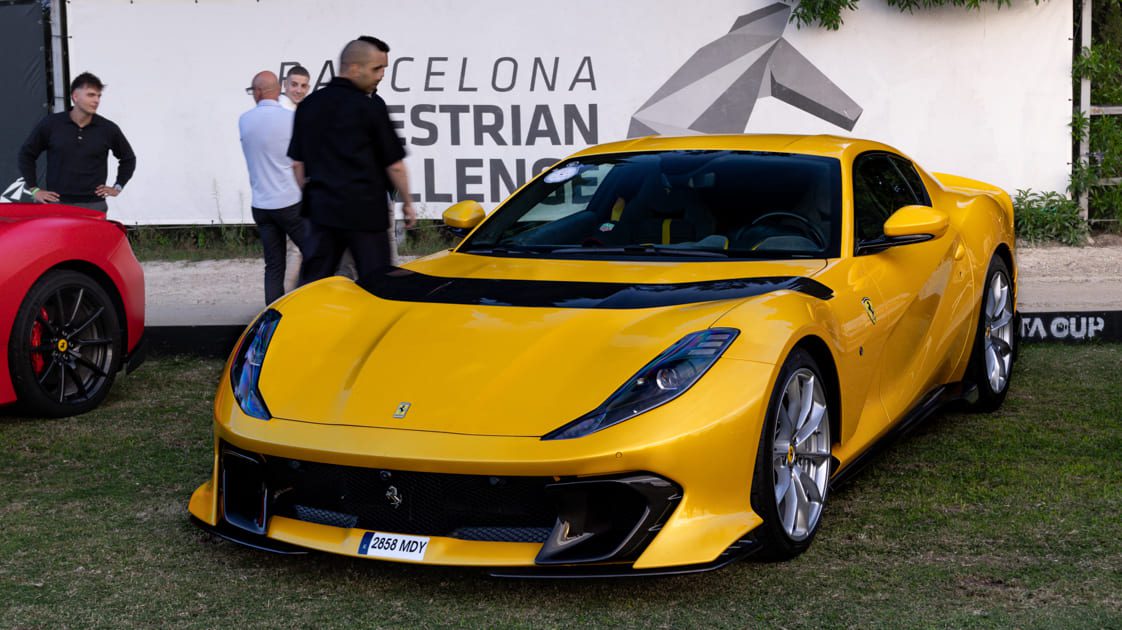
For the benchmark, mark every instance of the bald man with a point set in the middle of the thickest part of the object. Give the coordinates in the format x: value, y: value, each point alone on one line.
x: 352, y: 157
x: 275, y: 181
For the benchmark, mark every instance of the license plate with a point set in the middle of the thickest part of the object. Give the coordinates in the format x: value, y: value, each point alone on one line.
x: 396, y: 546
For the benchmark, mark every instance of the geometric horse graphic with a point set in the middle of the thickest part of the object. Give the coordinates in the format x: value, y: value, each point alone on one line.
x: 716, y: 90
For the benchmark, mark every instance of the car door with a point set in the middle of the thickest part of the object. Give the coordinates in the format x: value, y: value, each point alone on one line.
x: 923, y: 286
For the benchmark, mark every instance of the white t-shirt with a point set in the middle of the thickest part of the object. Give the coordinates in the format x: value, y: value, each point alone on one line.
x: 287, y: 103
x: 265, y: 133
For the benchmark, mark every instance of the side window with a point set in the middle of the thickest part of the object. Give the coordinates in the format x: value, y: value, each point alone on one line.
x: 879, y: 189
x: 912, y: 178
x: 873, y: 179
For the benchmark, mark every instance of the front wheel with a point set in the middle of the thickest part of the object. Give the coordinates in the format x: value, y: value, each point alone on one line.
x: 66, y: 345
x: 991, y: 359
x: 792, y: 472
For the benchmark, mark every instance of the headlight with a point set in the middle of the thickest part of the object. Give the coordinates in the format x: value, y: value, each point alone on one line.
x: 660, y: 381
x: 246, y: 370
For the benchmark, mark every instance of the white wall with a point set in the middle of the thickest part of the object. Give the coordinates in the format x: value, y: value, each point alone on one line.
x: 984, y: 94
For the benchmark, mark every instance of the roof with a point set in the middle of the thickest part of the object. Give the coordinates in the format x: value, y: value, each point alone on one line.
x: 825, y: 145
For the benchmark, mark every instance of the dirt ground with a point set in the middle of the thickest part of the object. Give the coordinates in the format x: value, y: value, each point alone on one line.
x: 230, y: 291
x: 1071, y: 278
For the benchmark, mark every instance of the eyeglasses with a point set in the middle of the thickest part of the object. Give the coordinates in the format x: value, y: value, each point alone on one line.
x: 249, y: 91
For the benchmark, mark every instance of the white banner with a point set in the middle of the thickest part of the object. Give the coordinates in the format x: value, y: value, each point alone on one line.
x: 487, y: 93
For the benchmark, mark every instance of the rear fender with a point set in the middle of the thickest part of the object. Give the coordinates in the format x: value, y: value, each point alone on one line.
x: 967, y: 186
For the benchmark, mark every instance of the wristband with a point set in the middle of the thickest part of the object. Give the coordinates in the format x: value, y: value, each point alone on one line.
x: 33, y: 191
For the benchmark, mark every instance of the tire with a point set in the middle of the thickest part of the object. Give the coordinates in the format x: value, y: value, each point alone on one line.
x: 791, y: 476
x: 995, y: 341
x: 66, y: 346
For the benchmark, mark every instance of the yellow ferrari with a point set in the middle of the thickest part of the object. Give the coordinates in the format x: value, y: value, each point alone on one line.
x: 657, y: 356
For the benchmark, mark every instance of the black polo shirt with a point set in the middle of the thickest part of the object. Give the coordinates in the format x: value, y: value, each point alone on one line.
x: 76, y: 156
x: 345, y: 140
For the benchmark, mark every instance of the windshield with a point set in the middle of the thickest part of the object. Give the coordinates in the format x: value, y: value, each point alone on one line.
x: 680, y: 204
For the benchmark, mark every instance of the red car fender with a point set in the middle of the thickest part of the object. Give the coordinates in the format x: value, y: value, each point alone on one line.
x: 35, y: 239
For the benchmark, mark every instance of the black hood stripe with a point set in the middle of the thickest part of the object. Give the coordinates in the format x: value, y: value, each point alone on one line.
x: 403, y: 285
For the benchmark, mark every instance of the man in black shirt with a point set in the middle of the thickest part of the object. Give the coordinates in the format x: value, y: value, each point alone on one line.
x: 77, y: 145
x: 351, y: 157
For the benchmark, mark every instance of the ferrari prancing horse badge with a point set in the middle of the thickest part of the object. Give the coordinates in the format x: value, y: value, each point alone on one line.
x: 868, y: 304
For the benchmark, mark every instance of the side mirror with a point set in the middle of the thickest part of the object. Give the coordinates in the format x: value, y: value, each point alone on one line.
x: 916, y: 221
x: 910, y: 224
x: 464, y: 215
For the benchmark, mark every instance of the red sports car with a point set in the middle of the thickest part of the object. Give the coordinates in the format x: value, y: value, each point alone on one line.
x: 71, y: 307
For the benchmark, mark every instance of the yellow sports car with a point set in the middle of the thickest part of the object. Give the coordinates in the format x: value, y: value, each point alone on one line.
x: 657, y: 356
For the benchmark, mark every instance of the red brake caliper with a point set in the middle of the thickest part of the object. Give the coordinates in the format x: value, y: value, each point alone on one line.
x: 38, y: 361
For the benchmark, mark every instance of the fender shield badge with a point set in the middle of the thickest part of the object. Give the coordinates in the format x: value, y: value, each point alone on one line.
x: 868, y: 304
x: 402, y: 409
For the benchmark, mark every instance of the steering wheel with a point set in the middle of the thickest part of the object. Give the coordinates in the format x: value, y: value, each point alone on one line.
x: 800, y: 222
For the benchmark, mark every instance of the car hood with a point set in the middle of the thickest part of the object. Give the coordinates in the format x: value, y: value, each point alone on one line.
x: 486, y: 351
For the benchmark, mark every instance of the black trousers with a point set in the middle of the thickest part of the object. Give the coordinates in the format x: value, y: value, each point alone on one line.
x: 274, y: 226
x: 371, y: 251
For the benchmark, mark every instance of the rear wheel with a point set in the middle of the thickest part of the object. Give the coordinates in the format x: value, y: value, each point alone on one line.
x: 66, y: 345
x: 793, y: 463
x: 991, y: 360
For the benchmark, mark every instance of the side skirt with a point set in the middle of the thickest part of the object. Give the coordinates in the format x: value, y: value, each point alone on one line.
x: 935, y: 400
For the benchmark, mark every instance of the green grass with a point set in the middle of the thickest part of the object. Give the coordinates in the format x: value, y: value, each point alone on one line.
x: 426, y: 238
x: 220, y: 242
x: 974, y: 521
x: 194, y: 242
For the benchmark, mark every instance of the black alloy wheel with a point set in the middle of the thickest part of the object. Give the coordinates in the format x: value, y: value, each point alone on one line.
x: 66, y: 345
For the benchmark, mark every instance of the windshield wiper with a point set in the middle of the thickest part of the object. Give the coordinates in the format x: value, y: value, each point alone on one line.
x: 644, y: 250
x: 509, y: 249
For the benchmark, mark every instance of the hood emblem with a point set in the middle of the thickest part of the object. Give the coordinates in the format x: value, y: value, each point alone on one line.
x: 868, y: 304
x: 402, y: 409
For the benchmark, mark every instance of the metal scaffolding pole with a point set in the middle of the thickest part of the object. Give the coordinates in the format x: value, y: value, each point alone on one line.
x: 58, y: 58
x: 1085, y: 108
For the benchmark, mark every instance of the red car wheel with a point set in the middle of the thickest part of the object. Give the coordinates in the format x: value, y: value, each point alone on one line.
x: 66, y: 345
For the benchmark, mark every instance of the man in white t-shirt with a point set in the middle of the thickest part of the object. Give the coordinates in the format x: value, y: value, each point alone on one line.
x: 275, y: 181
x: 296, y: 86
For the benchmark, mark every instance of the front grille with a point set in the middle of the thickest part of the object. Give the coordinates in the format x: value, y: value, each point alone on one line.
x: 469, y: 507
x: 504, y: 534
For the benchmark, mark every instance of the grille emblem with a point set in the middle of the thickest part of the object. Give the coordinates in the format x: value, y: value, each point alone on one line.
x: 402, y: 409
x: 393, y: 497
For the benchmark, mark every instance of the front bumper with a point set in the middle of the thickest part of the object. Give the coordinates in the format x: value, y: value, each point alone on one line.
x: 264, y: 500
x: 631, y: 499
x: 738, y: 550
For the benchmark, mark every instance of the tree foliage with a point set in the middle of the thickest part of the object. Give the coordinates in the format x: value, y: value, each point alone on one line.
x: 828, y: 13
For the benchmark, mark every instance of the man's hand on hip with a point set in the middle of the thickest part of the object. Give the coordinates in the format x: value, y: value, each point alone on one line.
x: 107, y: 191
x: 45, y: 196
